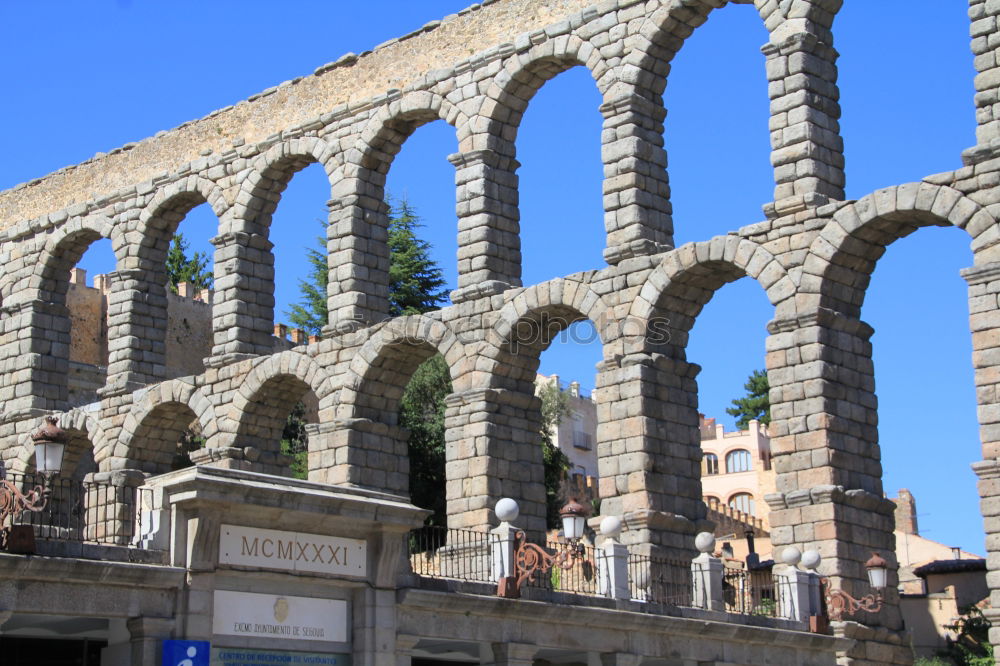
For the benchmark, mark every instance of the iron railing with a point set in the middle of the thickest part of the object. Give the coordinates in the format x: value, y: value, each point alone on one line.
x: 749, y: 592
x: 466, y: 555
x: 440, y: 552
x: 85, y: 511
x: 576, y: 572
x: 659, y: 581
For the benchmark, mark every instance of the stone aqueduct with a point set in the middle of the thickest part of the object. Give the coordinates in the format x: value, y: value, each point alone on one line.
x: 813, y: 256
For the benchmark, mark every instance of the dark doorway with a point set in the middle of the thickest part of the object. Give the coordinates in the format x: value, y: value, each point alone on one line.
x: 48, y: 652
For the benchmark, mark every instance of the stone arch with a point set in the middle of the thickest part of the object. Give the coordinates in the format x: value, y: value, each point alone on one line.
x: 268, y: 393
x: 687, y: 278
x: 147, y: 247
x: 840, y: 261
x: 268, y: 176
x: 358, y: 287
x: 383, y: 366
x: 511, y: 90
x: 86, y: 439
x: 155, y: 423
x: 64, y: 248
x: 806, y: 147
x: 528, y: 323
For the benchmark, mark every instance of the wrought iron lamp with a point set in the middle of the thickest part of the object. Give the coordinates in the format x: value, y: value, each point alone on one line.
x: 840, y: 603
x: 531, y: 559
x: 50, y: 445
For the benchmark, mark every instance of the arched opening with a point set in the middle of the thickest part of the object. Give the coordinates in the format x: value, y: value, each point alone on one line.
x: 717, y: 318
x: 175, y: 275
x: 558, y: 123
x: 558, y: 418
x: 927, y: 421
x: 565, y: 384
x: 87, y: 307
x: 298, y: 232
x: 274, y: 426
x: 880, y: 68
x: 394, y: 416
x: 420, y: 198
x: 163, y: 439
x: 723, y: 54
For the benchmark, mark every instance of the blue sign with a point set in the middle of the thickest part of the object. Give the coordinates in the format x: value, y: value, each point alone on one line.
x: 186, y: 653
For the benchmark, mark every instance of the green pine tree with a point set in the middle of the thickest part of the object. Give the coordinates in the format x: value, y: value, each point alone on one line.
x: 415, y: 280
x: 180, y: 268
x: 310, y: 314
x: 755, y: 405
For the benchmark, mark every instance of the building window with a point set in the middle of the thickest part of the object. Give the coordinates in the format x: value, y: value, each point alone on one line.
x: 743, y: 502
x: 712, y: 502
x: 709, y: 464
x: 582, y: 440
x: 738, y: 461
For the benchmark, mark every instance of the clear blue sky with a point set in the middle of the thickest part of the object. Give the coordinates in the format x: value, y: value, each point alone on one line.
x: 88, y: 77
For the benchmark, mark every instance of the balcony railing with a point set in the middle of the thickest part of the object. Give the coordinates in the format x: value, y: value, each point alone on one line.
x: 659, y: 581
x: 749, y: 592
x: 86, y: 511
x: 465, y: 555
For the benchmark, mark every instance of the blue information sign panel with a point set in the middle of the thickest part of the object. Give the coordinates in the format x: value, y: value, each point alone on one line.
x: 186, y: 653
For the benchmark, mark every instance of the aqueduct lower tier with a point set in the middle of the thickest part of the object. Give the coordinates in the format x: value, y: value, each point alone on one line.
x: 813, y: 257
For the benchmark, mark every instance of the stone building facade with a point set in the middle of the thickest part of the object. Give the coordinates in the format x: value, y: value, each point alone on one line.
x: 813, y: 255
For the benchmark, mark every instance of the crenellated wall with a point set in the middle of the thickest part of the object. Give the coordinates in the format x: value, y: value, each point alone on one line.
x: 813, y: 256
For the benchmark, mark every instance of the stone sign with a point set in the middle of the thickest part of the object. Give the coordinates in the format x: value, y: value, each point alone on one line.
x: 280, y: 617
x: 292, y: 551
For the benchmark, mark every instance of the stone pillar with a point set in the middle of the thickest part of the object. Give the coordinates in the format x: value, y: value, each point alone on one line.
x: 649, y: 453
x: 243, y: 301
x: 706, y: 590
x: 807, y: 152
x: 513, y: 654
x: 493, y: 450
x: 984, y: 321
x: 612, y: 569
x: 148, y: 634
x: 502, y: 547
x: 110, y: 504
x: 794, y: 589
x: 489, y: 243
x: 637, y: 211
x: 985, y: 17
x: 34, y: 351
x: 137, y: 330
x: 824, y: 443
x: 362, y: 453
x: 358, y: 259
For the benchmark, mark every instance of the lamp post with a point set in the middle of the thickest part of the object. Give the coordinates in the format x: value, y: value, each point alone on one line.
x: 50, y: 444
x: 531, y: 559
x: 840, y: 603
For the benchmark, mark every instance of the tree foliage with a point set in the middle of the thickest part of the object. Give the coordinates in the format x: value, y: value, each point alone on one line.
x: 422, y: 413
x: 755, y: 405
x: 310, y: 313
x: 555, y: 406
x: 180, y: 268
x: 415, y: 280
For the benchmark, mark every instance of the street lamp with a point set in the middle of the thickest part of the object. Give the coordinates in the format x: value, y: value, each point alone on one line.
x: 531, y: 559
x: 50, y: 445
x: 840, y: 603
